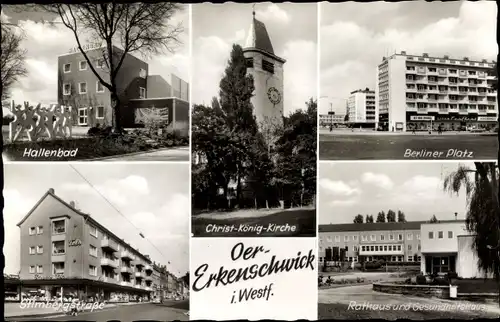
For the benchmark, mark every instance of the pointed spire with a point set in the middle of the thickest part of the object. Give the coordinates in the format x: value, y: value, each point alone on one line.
x: 257, y: 36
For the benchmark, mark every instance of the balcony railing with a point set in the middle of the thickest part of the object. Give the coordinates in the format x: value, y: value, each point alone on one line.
x: 109, y: 262
x: 139, y: 274
x: 126, y: 255
x: 109, y: 244
x: 126, y: 270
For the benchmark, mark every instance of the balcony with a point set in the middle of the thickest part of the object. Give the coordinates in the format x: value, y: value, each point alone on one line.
x: 472, y: 85
x: 139, y: 275
x: 109, y: 245
x: 139, y: 263
x: 433, y: 109
x: 123, y: 283
x: 126, y: 255
x: 149, y: 277
x: 126, y: 270
x: 410, y: 80
x: 148, y: 268
x: 463, y: 111
x: 443, y: 111
x: 472, y: 75
x: 107, y: 262
x: 148, y: 288
x: 422, y: 110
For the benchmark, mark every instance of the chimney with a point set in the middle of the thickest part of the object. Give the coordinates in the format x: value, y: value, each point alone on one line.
x: 456, y: 216
x: 425, y: 55
x: 403, y: 52
x: 466, y: 58
x: 446, y: 57
x: 52, y: 191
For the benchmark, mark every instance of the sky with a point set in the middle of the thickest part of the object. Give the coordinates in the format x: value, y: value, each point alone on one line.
x: 354, y: 36
x: 44, y: 43
x: 143, y: 194
x: 347, y: 189
x: 293, y: 32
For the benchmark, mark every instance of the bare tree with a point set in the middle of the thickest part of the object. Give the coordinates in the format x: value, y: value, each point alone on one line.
x: 135, y: 27
x: 12, y: 65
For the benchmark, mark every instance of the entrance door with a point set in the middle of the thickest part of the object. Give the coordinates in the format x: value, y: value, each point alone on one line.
x: 440, y: 264
x: 428, y: 264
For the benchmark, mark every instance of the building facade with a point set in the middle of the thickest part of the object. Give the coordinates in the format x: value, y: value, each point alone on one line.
x: 330, y: 119
x: 267, y: 71
x: 80, y: 88
x: 425, y: 92
x: 361, y: 108
x: 392, y: 242
x: 441, y: 247
x: 65, y: 253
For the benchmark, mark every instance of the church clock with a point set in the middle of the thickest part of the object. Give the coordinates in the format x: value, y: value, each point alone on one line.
x: 274, y: 95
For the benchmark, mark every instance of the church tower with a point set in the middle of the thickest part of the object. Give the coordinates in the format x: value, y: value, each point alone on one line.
x: 267, y: 71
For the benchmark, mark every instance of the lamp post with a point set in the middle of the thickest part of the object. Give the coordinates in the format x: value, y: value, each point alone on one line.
x: 331, y: 104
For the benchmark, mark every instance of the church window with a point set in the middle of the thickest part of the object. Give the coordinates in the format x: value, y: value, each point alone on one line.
x: 249, y: 62
x: 268, y: 66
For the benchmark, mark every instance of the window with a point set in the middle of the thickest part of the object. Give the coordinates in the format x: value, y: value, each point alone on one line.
x: 58, y: 248
x: 267, y: 66
x: 249, y: 62
x: 83, y: 116
x: 142, y: 92
x: 399, y: 247
x: 32, y: 250
x: 99, y: 112
x: 328, y: 239
x: 142, y: 73
x: 363, y: 248
x: 400, y: 258
x: 39, y: 230
x: 390, y: 248
x: 355, y: 258
x: 32, y: 230
x: 346, y: 249
x: 355, y: 248
x: 39, y: 269
x: 450, y: 234
x: 58, y: 227
x: 67, y: 89
x: 409, y: 247
x: 100, y: 63
x: 32, y: 269
x: 349, y: 259
x: 373, y: 238
x: 346, y: 238
x: 440, y: 234
x: 409, y: 237
x: 431, y: 235
x: 58, y: 268
x: 93, y: 251
x: 82, y: 88
x: 39, y: 249
x: 99, y: 87
x: 419, y: 258
x: 83, y: 65
x: 372, y: 248
x: 355, y: 238
x: 410, y: 258
x: 67, y: 68
x: 382, y: 237
x: 385, y: 248
x: 391, y: 237
x: 92, y: 270
x: 363, y: 238
x: 93, y: 231
x: 400, y: 236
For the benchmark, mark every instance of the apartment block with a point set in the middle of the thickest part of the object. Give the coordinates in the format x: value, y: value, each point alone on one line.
x: 426, y: 92
x: 361, y: 108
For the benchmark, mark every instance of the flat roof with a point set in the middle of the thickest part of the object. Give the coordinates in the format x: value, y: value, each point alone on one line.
x: 377, y: 226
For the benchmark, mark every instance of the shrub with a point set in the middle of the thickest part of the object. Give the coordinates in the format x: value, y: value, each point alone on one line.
x: 441, y: 280
x: 421, y: 280
x: 372, y: 265
x: 453, y: 275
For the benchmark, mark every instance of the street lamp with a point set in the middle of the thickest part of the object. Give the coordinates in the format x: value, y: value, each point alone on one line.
x: 331, y: 104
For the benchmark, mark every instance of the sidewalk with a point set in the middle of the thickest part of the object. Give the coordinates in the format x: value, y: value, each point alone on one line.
x: 386, y: 133
x: 19, y: 310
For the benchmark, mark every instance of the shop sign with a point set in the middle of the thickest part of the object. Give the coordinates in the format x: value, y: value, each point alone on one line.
x: 85, y: 47
x: 51, y: 277
x: 75, y: 243
x: 457, y: 118
x: 487, y: 118
x: 422, y: 118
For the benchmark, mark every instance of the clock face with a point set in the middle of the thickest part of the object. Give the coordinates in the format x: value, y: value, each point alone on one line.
x: 274, y: 95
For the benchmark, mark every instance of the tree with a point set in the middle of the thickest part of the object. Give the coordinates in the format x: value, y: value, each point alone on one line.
x: 391, y: 216
x: 369, y: 219
x: 358, y: 219
x: 124, y: 28
x: 12, y: 59
x: 185, y: 278
x: 481, y: 186
x: 381, y: 216
x: 433, y: 219
x: 401, y: 216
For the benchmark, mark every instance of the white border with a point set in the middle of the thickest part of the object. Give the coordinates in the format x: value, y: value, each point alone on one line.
x: 318, y: 95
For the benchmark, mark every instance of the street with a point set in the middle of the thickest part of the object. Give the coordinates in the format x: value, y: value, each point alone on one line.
x: 150, y: 311
x: 341, y: 302
x: 303, y: 219
x: 390, y: 146
x: 170, y: 154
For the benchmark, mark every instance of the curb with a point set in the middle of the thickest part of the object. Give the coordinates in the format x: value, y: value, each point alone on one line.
x: 136, y: 153
x: 60, y: 313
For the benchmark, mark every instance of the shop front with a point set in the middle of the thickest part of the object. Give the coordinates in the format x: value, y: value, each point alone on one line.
x: 450, y: 123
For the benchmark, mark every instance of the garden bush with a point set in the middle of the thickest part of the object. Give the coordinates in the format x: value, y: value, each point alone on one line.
x: 421, y: 280
x: 453, y: 275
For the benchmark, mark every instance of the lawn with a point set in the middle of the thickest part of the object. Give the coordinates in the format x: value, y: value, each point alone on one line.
x: 86, y: 148
x: 303, y: 219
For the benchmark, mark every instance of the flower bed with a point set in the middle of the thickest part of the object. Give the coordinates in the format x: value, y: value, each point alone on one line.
x: 438, y: 291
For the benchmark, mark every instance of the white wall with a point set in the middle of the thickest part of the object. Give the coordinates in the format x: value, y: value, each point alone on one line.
x: 444, y: 245
x: 397, y: 91
x: 467, y: 259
